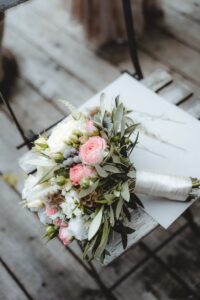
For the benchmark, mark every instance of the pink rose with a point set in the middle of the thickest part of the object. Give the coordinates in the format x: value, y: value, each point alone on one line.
x: 64, y: 236
x: 59, y: 222
x: 51, y: 211
x: 90, y: 127
x: 80, y: 172
x: 92, y: 151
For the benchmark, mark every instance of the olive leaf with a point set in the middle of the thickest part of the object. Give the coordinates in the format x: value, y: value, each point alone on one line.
x: 95, y: 224
x: 91, y: 189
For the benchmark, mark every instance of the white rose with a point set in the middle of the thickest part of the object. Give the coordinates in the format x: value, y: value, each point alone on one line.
x: 63, y: 132
x: 69, y: 206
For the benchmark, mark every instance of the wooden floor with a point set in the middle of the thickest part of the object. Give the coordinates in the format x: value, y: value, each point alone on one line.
x: 55, y: 62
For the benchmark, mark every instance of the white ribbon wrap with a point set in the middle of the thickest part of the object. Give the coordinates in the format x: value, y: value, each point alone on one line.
x: 165, y: 186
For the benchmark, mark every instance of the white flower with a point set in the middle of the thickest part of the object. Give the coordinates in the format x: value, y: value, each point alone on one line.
x: 33, y: 191
x: 63, y: 132
x: 43, y: 217
x: 69, y: 206
x: 77, y: 228
x: 32, y: 159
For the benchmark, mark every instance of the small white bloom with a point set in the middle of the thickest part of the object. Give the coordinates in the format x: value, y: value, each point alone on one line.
x: 44, y: 219
x: 63, y: 132
x: 69, y: 206
x: 77, y: 228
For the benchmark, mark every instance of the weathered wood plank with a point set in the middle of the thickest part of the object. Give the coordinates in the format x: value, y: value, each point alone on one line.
x: 9, y: 290
x: 190, y: 9
x: 192, y: 106
x: 176, y: 93
x: 76, y: 59
x: 46, y: 271
x: 177, y: 25
x: 152, y: 282
x: 5, y: 4
x: 157, y: 44
x: 157, y: 80
x: 43, y: 74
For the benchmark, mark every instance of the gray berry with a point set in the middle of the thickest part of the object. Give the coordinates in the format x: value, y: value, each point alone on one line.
x: 76, y: 159
x: 73, y: 150
x: 68, y: 162
x: 67, y: 153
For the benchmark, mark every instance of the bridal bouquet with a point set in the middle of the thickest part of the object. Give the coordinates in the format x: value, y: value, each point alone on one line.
x: 85, y: 185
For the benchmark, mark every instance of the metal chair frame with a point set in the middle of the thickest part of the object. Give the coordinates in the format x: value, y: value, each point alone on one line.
x: 30, y: 136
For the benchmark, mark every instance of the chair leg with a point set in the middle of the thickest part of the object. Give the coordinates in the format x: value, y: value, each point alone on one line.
x: 2, y: 17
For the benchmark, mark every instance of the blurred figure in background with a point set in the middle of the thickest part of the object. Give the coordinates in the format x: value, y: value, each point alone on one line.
x: 8, y: 65
x: 103, y: 20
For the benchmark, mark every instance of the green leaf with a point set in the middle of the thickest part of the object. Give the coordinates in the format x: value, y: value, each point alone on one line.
x: 129, y: 230
x: 125, y: 191
x: 129, y: 130
x: 116, y: 159
x: 127, y: 213
x: 89, y: 247
x: 104, y: 239
x: 112, y: 217
x: 119, y: 208
x: 135, y: 143
x: 111, y: 169
x: 91, y: 189
x: 95, y: 224
x: 101, y: 172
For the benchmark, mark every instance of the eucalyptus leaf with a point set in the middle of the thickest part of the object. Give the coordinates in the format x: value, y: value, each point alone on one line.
x: 91, y: 189
x: 95, y: 224
x: 101, y: 171
x: 125, y: 191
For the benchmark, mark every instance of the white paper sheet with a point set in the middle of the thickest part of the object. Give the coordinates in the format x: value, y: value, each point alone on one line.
x: 169, y: 140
